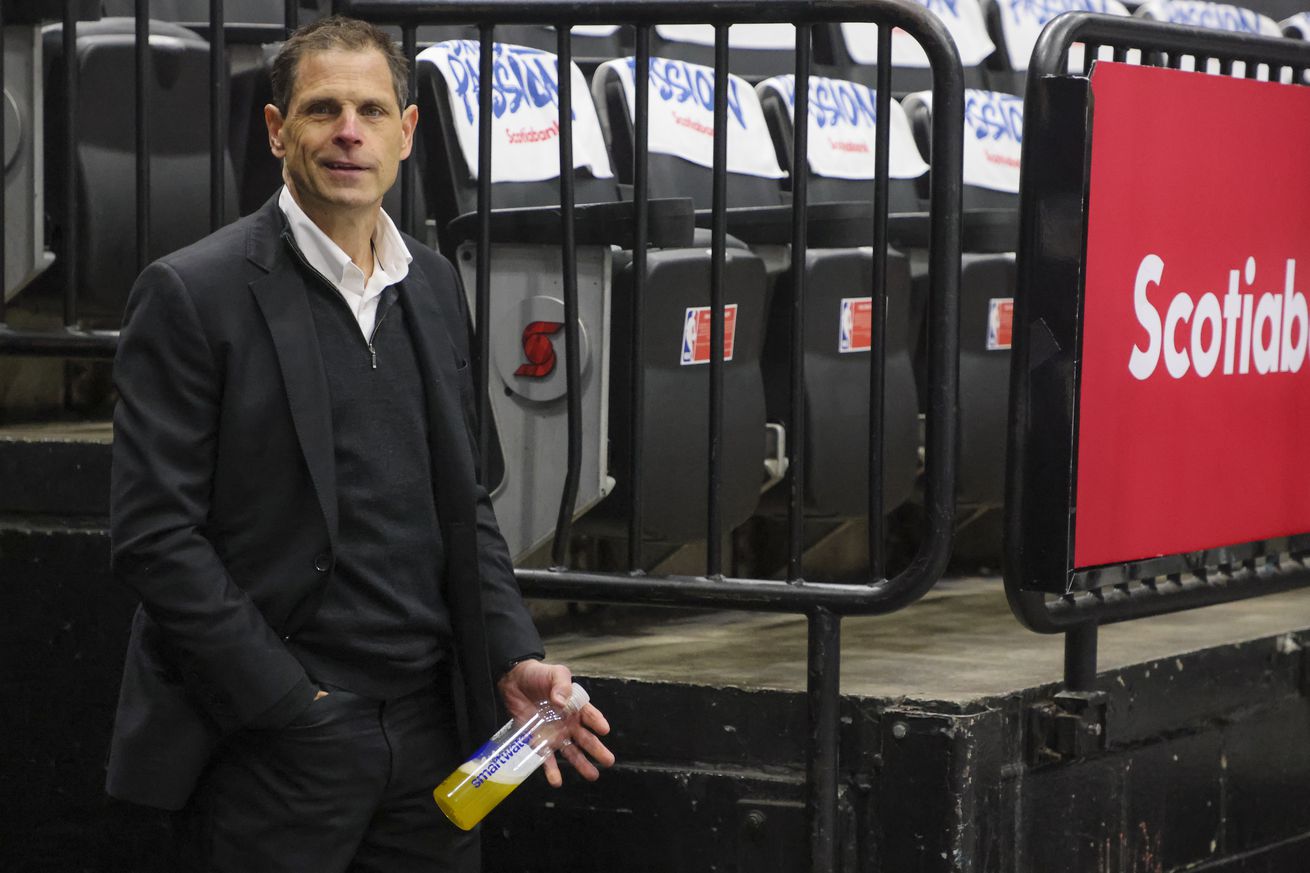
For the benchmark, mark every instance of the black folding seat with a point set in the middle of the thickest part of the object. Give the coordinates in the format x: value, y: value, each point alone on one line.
x: 850, y: 50
x: 993, y: 135
x: 842, y: 129
x: 1014, y: 26
x: 838, y: 272
x: 526, y: 269
x: 105, y: 170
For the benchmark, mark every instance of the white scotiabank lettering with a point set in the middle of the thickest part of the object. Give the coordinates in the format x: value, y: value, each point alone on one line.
x: 1268, y: 331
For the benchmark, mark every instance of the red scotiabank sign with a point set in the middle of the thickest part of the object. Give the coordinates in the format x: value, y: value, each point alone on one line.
x: 1194, y: 398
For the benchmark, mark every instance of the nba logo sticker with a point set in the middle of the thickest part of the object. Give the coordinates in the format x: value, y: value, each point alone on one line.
x: 696, y: 334
x: 1000, y: 323
x: 856, y: 332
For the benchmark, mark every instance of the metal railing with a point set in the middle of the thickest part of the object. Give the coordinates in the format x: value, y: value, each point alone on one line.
x: 823, y: 603
x: 1050, y: 270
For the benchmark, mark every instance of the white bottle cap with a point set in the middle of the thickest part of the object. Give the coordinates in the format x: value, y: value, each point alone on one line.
x: 579, y: 698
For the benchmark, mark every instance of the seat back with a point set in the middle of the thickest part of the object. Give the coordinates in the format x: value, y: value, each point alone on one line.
x: 842, y: 141
x: 1297, y: 26
x: 105, y: 170
x: 993, y: 139
x: 851, y: 48
x: 525, y: 131
x: 681, y: 141
x: 1213, y: 16
x: 591, y: 44
x: 1014, y: 25
x: 755, y: 51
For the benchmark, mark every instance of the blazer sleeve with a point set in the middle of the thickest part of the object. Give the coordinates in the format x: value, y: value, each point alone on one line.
x: 165, y: 443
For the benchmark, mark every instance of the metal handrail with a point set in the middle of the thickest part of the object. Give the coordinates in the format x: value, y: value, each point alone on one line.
x: 1173, y: 583
x: 879, y: 595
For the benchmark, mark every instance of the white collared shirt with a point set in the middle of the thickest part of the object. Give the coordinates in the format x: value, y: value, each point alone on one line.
x: 391, y: 259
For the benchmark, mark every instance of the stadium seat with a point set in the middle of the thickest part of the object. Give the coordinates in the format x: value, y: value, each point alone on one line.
x: 1014, y: 26
x: 674, y: 311
x: 850, y: 49
x: 993, y: 137
x: 838, y: 318
x: 591, y: 44
x: 838, y: 270
x: 106, y: 151
x: 682, y: 135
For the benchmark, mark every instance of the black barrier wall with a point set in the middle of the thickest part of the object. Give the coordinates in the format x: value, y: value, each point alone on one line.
x: 1052, y: 590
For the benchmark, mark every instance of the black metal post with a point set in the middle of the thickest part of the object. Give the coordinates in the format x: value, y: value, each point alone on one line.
x: 1090, y: 51
x: 409, y: 169
x: 823, y: 689
x: 572, y: 338
x: 796, y: 436
x: 878, y: 305
x: 4, y: 278
x: 718, y: 256
x: 637, y: 354
x: 142, y: 50
x: 69, y: 255
x: 217, y: 116
x: 291, y: 15
x: 1080, y: 657
x: 482, y: 303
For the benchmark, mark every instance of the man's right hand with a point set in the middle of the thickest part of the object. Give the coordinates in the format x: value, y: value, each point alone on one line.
x: 320, y: 695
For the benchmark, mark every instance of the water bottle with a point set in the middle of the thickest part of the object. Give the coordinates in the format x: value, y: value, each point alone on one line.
x: 505, y: 760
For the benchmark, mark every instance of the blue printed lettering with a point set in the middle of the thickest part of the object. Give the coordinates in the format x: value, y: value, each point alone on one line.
x: 490, y: 766
x: 681, y: 82
x: 993, y: 116
x: 1216, y: 16
x: 520, y: 77
x: 836, y: 103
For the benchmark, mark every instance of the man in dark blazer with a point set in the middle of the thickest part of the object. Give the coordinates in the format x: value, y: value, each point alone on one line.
x: 327, y: 606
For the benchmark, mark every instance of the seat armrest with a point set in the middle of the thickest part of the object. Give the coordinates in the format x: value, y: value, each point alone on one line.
x: 982, y: 231
x: 669, y: 224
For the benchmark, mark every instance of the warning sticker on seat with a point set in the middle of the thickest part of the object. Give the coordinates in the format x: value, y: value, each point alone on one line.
x: 856, y: 331
x: 696, y: 334
x: 1000, y: 323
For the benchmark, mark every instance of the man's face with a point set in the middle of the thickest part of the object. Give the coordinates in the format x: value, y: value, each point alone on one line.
x: 343, y: 136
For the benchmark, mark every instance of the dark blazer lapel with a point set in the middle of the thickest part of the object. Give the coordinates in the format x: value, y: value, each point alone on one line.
x: 452, y: 457
x: 283, y: 299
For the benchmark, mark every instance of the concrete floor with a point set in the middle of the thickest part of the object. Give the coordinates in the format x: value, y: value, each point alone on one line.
x: 959, y: 644
x: 60, y: 432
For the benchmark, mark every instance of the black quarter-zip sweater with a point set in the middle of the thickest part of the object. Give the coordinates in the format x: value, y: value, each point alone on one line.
x: 383, y: 625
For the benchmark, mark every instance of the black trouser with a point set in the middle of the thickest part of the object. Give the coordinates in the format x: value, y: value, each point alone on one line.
x: 347, y: 786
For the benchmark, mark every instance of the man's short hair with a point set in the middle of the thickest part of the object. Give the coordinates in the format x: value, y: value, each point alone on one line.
x: 335, y: 33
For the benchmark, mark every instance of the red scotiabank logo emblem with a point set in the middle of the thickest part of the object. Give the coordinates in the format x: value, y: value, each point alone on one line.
x: 539, y: 349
